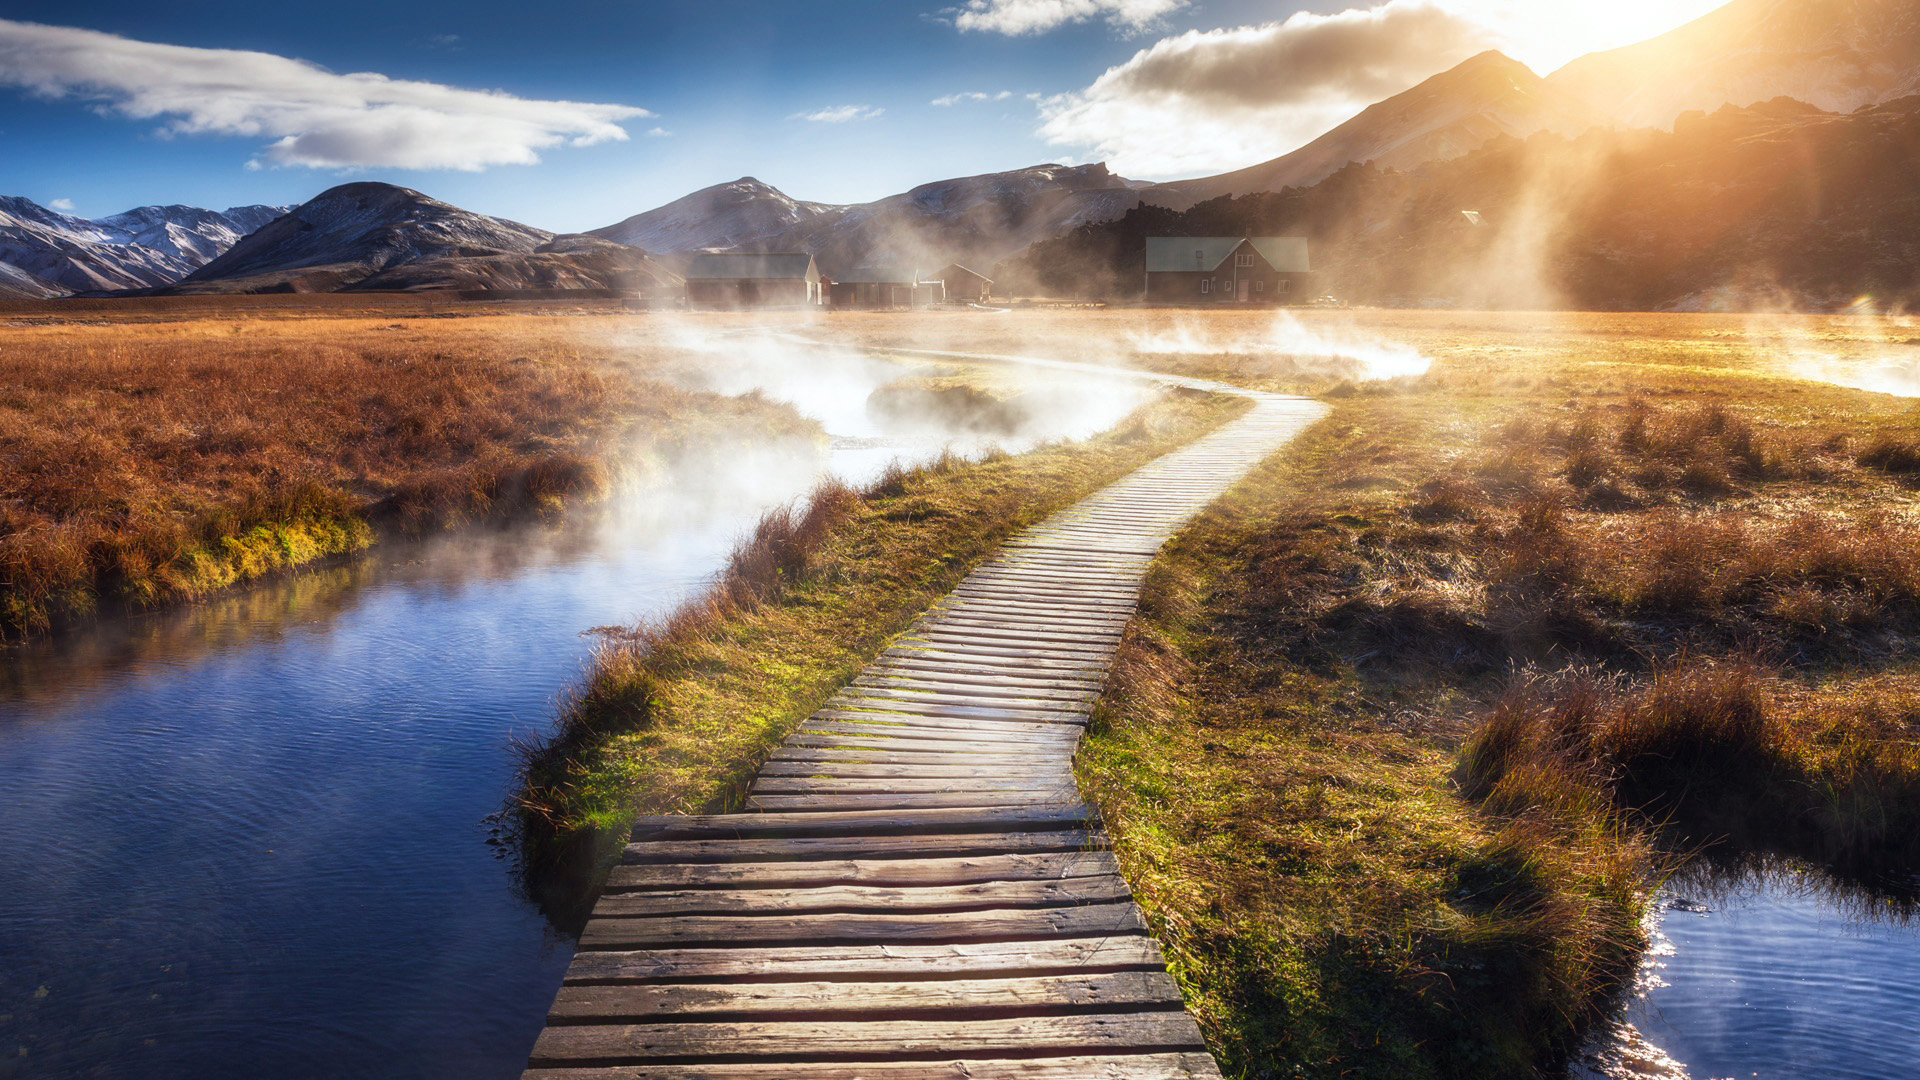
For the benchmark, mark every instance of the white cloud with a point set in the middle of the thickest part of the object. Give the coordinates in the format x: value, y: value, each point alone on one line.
x: 65, y: 206
x: 839, y: 114
x: 1220, y: 99
x: 969, y: 97
x: 1016, y: 17
x: 314, y: 117
x: 659, y: 133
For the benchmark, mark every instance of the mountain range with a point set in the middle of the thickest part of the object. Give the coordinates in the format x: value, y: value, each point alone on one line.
x: 1833, y: 55
x: 47, y: 253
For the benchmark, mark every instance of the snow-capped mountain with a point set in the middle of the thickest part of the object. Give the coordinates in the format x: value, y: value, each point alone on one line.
x: 352, y: 232
x: 740, y: 215
x: 1450, y: 115
x: 143, y: 247
x: 371, y: 236
x: 974, y: 219
x: 17, y: 284
x: 1835, y: 54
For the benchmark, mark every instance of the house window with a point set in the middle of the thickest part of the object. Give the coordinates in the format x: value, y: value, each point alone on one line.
x: 1206, y: 285
x: 1259, y: 285
x: 1243, y: 260
x: 1286, y: 286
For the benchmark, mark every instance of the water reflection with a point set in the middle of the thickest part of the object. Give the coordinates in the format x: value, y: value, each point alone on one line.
x: 1765, y: 968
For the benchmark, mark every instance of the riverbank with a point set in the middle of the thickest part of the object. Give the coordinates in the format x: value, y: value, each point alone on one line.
x: 157, y: 462
x: 1393, y: 755
x: 676, y: 715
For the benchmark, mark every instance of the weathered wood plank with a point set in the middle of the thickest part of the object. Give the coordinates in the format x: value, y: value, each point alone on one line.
x: 1039, y: 789
x: 848, y: 899
x: 860, y: 822
x: 968, y: 755
x: 1173, y: 1066
x: 771, y: 928
x: 891, y: 800
x: 1034, y: 995
x: 918, y: 769
x: 893, y: 873
x: 618, y: 1043
x: 862, y: 847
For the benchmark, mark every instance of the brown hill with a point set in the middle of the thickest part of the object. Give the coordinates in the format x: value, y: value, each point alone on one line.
x: 1776, y: 205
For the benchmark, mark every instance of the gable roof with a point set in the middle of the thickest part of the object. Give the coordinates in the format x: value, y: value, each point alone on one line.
x: 1204, y: 254
x: 1286, y: 254
x: 734, y: 267
x: 953, y: 269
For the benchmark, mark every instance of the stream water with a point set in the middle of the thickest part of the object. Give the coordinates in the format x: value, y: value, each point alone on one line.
x: 253, y: 837
x: 1777, y: 972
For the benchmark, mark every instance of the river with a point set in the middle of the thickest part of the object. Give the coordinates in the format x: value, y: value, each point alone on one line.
x: 256, y: 837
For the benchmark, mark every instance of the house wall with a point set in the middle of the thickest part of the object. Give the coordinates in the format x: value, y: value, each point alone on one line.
x: 966, y: 286
x: 753, y: 292
x: 1265, y: 286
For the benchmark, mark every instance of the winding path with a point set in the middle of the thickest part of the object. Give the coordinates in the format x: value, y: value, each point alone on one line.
x: 920, y: 891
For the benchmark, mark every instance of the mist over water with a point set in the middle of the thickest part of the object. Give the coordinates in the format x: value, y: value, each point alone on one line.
x: 253, y: 837
x: 1288, y: 346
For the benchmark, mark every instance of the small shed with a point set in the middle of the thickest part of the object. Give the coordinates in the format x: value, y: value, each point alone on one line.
x: 875, y: 288
x: 1267, y: 270
x: 727, y: 280
x: 964, y: 284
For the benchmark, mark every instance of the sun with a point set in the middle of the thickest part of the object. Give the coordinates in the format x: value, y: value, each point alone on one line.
x: 1546, y: 35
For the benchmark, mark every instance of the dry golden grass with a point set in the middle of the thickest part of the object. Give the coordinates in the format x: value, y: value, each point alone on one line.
x: 148, y: 460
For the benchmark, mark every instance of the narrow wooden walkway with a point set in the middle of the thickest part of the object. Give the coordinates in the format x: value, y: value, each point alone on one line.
x: 919, y: 890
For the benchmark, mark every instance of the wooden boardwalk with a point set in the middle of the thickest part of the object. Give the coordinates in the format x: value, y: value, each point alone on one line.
x: 919, y: 890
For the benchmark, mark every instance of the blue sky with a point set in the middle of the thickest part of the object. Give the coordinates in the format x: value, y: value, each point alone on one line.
x: 727, y: 85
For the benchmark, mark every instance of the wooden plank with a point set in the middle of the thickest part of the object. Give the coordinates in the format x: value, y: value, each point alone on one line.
x: 846, y: 899
x: 1039, y: 789
x: 860, y: 724
x: 975, y: 686
x: 959, y: 718
x: 1191, y: 1065
x: 896, y: 873
x: 832, y: 733
x: 991, y: 959
x: 914, y: 769
x: 771, y: 928
x: 859, y: 823
x: 861, y: 847
x: 619, y: 1043
x: 1034, y: 995
x: 958, y: 699
x: 900, y: 800
x: 969, y: 755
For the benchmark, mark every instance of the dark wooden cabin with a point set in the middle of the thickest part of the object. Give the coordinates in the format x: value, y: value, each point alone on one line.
x: 750, y: 281
x: 1257, y: 270
x: 964, y: 284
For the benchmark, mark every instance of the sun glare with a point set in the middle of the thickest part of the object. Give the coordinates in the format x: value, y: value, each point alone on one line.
x: 1545, y: 36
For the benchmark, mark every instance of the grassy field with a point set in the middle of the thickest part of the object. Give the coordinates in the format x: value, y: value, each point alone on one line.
x: 1414, y: 721
x: 154, y: 458
x: 1407, y: 730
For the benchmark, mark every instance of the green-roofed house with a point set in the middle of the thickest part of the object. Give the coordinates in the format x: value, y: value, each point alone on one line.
x: 1192, y: 270
x: 749, y: 281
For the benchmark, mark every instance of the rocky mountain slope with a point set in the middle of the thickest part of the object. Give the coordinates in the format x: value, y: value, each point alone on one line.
x: 372, y: 236
x: 974, y: 219
x: 979, y: 219
x: 146, y: 246
x: 17, y: 284
x: 349, y: 233
x: 1775, y: 206
x: 744, y: 215
x: 1836, y: 54
x: 1451, y: 114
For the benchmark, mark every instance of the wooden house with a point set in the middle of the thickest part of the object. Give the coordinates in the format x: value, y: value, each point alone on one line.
x: 964, y: 284
x: 748, y: 281
x: 875, y: 288
x: 1269, y: 270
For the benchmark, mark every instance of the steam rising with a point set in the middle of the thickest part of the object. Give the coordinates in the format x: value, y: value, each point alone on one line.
x: 1895, y: 370
x: 1336, y: 352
